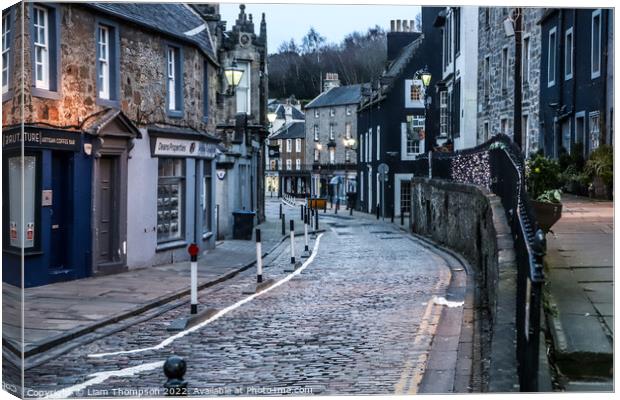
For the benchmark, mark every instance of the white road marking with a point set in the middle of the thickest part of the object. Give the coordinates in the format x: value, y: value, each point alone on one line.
x: 100, y: 377
x: 220, y: 313
x: 450, y: 304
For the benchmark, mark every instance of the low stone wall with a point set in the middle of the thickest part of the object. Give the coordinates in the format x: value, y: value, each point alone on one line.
x: 471, y: 220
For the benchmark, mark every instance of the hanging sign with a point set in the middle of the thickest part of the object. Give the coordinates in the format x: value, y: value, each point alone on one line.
x: 183, y: 148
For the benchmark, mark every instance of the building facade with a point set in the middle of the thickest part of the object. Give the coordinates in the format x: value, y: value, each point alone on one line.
x: 331, y: 140
x: 496, y: 57
x: 120, y: 115
x: 294, y: 175
x: 458, y: 88
x: 398, y: 117
x: 576, y: 91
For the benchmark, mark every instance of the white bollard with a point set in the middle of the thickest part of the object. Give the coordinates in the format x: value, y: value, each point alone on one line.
x: 259, y: 258
x: 193, y: 252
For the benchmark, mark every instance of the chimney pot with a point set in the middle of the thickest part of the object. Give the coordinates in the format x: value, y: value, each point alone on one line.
x: 392, y: 25
x: 412, y: 25
x: 398, y: 25
x: 405, y: 26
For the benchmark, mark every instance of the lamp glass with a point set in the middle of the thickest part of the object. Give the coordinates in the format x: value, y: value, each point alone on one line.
x: 426, y: 78
x: 271, y: 117
x: 233, y: 75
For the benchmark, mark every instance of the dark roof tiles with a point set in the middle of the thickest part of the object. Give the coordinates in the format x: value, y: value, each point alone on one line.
x: 337, y: 96
x: 292, y: 130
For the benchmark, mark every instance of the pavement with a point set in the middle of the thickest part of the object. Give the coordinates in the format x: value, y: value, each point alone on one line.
x: 579, y: 294
x: 61, y: 312
x: 359, y: 317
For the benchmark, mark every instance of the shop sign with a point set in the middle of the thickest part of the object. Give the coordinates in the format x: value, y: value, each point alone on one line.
x: 183, y: 148
x: 60, y: 140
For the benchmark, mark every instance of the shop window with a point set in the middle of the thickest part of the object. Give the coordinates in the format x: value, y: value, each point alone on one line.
x: 206, y: 198
x: 22, y: 234
x: 45, y: 33
x: 170, y: 196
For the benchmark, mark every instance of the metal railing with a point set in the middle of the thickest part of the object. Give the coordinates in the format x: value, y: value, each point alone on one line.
x: 498, y: 165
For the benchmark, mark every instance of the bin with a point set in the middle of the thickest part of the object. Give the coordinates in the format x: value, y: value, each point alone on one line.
x: 243, y: 224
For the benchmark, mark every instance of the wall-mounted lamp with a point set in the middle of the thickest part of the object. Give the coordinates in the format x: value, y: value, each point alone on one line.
x: 233, y: 76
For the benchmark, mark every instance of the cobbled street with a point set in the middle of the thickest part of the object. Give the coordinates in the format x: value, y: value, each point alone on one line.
x: 359, y: 318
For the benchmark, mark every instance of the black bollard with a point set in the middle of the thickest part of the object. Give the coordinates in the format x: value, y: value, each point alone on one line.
x: 350, y: 210
x: 175, y: 368
x: 377, y: 211
x: 283, y: 225
x: 392, y: 218
x: 280, y: 210
x: 325, y: 206
x: 301, y: 212
x: 316, y: 221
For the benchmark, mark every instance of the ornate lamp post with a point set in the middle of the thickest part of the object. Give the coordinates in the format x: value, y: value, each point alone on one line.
x: 425, y: 76
x: 349, y: 144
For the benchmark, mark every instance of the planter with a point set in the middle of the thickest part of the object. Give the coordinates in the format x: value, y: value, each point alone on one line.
x: 546, y: 214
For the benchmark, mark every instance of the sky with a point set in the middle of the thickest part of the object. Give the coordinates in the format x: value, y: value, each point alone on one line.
x: 334, y: 22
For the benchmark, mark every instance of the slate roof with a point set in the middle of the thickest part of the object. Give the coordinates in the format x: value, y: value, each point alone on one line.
x: 292, y: 130
x: 280, y: 111
x: 173, y: 19
x: 337, y: 96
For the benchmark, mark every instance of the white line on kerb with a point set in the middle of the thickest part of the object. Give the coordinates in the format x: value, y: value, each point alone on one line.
x: 220, y: 313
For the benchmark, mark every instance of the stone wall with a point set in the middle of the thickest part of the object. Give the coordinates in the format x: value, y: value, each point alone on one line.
x: 471, y: 220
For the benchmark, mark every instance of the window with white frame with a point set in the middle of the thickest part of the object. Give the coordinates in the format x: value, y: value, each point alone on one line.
x: 370, y: 144
x: 332, y: 112
x: 525, y: 66
x: 378, y: 142
x: 595, y: 46
x: 332, y: 155
x: 347, y: 130
x: 280, y: 145
x: 568, y: 54
x: 174, y: 77
x: 348, y: 110
x: 298, y: 145
x: 443, y: 113
x: 415, y: 93
x: 103, y: 51
x: 595, y: 130
x: 243, y: 89
x: 331, y: 132
x: 289, y: 145
x: 41, y: 47
x: 415, y: 133
x: 6, y: 50
x: 289, y: 164
x: 316, y: 113
x: 316, y: 133
x: 551, y: 57
x: 298, y: 164
x: 317, y: 155
x: 504, y: 66
x: 361, y: 147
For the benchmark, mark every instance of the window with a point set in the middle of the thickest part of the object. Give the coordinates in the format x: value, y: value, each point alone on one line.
x: 316, y: 113
x: 174, y: 81
x: 415, y: 133
x: 485, y: 132
x: 347, y: 130
x: 487, y: 17
x: 170, y: 190
x: 456, y: 109
x: 280, y: 145
x: 332, y: 112
x: 103, y: 60
x: 405, y: 195
x: 331, y: 132
x: 378, y: 142
x: 595, y: 130
x: 486, y: 77
x: 332, y: 155
x: 416, y: 91
x: 366, y: 158
x: 595, y: 55
x: 243, y: 91
x: 551, y: 58
x: 504, y: 125
x: 206, y: 197
x: 289, y: 164
x: 316, y: 133
x: 443, y: 113
x: 362, y: 144
x: 457, y: 30
x: 525, y: 66
x: 205, y: 95
x: 568, y: 54
x: 298, y: 145
x: 370, y: 144
x: 317, y: 155
x: 504, y: 66
x: 41, y: 49
x: 348, y: 109
x: 298, y: 164
x: 289, y: 145
x: 6, y: 50
x: 22, y: 233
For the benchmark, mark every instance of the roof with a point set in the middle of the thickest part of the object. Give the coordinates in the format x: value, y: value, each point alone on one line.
x: 292, y: 130
x: 96, y: 125
x: 337, y: 96
x: 174, y: 19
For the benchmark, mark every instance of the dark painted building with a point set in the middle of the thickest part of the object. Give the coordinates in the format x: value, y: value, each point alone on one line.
x: 576, y: 89
x: 393, y: 126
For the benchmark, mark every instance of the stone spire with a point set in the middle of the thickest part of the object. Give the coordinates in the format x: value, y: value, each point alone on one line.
x: 263, y: 30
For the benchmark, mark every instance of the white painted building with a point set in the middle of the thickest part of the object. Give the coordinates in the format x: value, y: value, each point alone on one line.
x: 458, y: 88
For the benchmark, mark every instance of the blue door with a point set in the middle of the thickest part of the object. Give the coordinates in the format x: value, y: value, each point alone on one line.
x: 61, y: 217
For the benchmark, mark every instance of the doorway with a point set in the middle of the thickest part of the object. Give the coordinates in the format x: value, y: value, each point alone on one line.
x: 580, y: 130
x: 61, y: 216
x: 108, y: 251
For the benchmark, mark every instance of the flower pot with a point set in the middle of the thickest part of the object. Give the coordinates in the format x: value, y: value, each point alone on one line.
x: 546, y: 213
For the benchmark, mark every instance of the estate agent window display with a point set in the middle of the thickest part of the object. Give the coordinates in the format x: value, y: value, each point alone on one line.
x: 170, y: 189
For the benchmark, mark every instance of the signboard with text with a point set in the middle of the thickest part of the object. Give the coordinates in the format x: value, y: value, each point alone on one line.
x: 183, y: 148
x: 41, y: 138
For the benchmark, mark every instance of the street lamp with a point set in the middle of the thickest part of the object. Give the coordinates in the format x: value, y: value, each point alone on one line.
x: 271, y: 117
x: 425, y: 75
x: 233, y: 76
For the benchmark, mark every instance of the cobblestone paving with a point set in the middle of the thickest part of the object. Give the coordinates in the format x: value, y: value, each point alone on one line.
x: 350, y: 323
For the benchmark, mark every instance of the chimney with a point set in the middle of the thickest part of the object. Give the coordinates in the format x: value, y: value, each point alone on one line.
x: 392, y: 25
x: 412, y: 26
x: 331, y: 81
x: 399, y: 38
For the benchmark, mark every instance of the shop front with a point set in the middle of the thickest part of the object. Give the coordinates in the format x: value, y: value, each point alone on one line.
x: 171, y: 196
x: 51, y: 180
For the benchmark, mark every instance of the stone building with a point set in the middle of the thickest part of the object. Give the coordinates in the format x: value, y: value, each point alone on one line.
x: 120, y: 112
x: 331, y: 140
x: 496, y: 57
